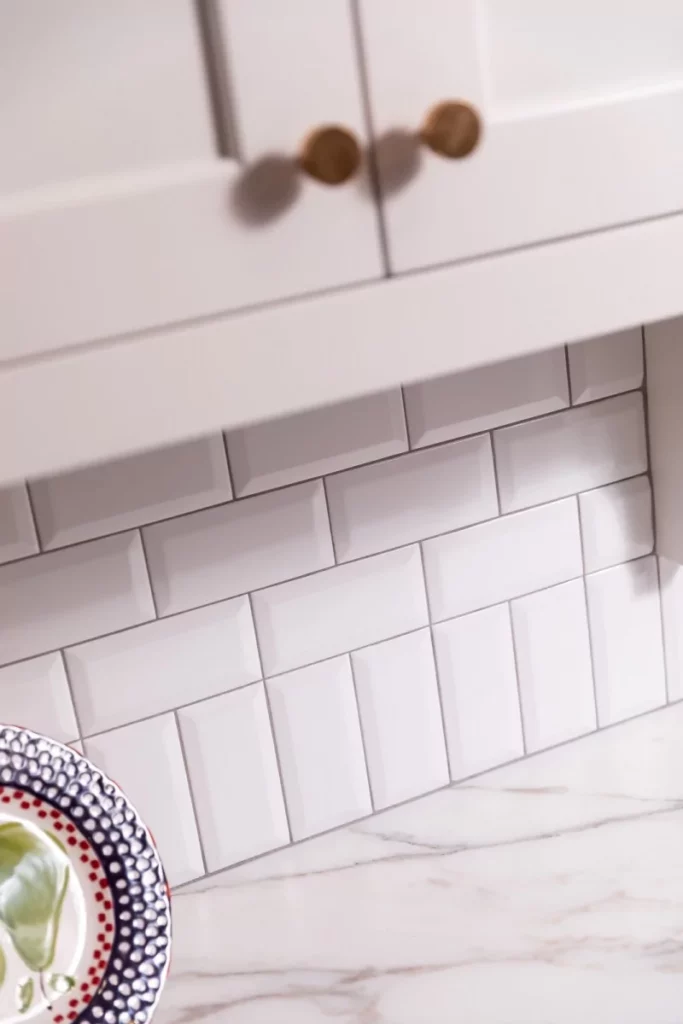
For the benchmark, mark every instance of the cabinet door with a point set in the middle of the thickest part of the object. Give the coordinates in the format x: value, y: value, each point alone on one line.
x: 581, y: 106
x: 149, y: 166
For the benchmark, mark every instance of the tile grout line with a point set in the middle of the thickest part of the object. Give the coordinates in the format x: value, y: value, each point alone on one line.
x: 567, y: 370
x: 235, y: 500
x: 589, y: 626
x: 515, y: 661
x: 190, y: 787
x: 364, y: 745
x: 454, y: 785
x: 406, y: 422
x: 145, y: 558
x: 293, y: 579
x: 266, y: 694
x: 34, y: 518
x: 275, y: 675
x: 333, y: 542
x: 231, y: 479
x: 653, y: 512
x: 437, y: 674
x: 496, y: 479
x: 70, y: 687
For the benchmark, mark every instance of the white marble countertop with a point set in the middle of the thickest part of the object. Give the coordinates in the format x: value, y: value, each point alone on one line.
x: 548, y: 891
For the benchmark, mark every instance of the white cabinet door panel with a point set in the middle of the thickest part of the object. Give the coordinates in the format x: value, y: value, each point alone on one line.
x: 149, y: 170
x: 580, y: 102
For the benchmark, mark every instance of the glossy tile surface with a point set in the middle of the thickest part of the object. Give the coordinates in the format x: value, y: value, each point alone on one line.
x: 221, y: 552
x: 67, y: 596
x: 486, y: 397
x: 317, y: 441
x: 606, y: 366
x: 317, y: 731
x: 163, y: 665
x: 514, y: 555
x: 572, y: 451
x: 398, y: 699
x: 419, y: 495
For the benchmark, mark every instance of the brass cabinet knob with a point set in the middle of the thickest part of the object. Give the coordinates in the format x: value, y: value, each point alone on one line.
x: 451, y: 129
x: 330, y: 154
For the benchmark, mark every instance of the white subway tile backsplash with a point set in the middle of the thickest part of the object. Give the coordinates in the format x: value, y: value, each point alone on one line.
x: 163, y: 665
x: 35, y: 694
x: 17, y: 534
x: 318, y: 737
x: 398, y: 699
x: 221, y: 552
x: 671, y: 583
x: 616, y: 523
x: 341, y: 609
x: 606, y: 366
x: 554, y: 665
x: 317, y: 441
x: 419, y: 495
x: 257, y: 666
x: 63, y: 597
x: 476, y: 663
x: 146, y: 761
x: 626, y: 634
x: 486, y: 397
x: 234, y: 775
x: 570, y: 451
x: 129, y: 492
x: 505, y: 558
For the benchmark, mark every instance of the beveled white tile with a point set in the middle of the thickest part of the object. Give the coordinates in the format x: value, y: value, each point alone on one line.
x: 570, y: 452
x: 476, y: 663
x: 318, y: 737
x: 316, y: 442
x: 17, y: 534
x: 221, y: 552
x: 398, y: 699
x: 415, y: 496
x: 163, y: 665
x: 131, y: 491
x: 63, y: 597
x: 616, y: 522
x: 339, y: 610
x: 626, y: 634
x: 486, y: 397
x: 671, y: 582
x: 35, y: 694
x: 234, y: 774
x: 554, y: 665
x: 606, y: 366
x: 146, y: 761
x: 507, y: 557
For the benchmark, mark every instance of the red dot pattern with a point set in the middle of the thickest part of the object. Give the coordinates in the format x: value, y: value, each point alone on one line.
x: 91, y: 978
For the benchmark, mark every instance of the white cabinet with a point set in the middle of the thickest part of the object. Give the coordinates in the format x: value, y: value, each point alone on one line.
x: 148, y: 172
x: 581, y: 103
x: 167, y: 269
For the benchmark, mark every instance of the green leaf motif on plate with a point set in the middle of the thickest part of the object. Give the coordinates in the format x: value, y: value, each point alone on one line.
x: 33, y: 883
x: 24, y: 994
x: 61, y: 983
x: 3, y: 966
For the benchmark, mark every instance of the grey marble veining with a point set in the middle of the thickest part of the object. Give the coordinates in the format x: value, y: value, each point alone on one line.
x: 546, y: 892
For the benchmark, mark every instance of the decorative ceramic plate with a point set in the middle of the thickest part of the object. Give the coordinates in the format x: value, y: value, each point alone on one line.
x: 85, y: 925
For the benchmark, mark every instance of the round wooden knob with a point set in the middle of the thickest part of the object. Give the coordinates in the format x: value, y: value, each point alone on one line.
x: 330, y: 154
x: 451, y: 129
